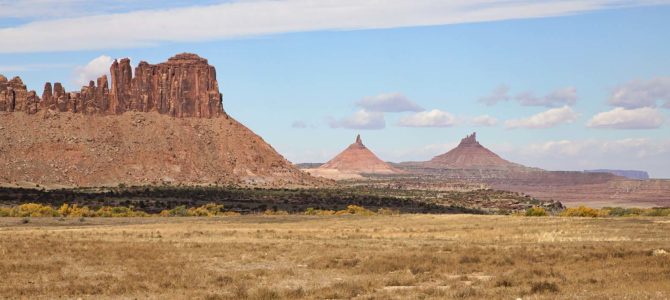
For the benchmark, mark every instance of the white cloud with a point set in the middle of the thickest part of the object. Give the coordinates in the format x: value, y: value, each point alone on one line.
x: 621, y: 118
x: 557, y: 98
x: 642, y: 93
x: 484, y: 120
x: 141, y: 28
x: 390, y: 102
x: 95, y: 68
x: 433, y: 118
x: 546, y: 119
x: 497, y: 95
x: 362, y: 119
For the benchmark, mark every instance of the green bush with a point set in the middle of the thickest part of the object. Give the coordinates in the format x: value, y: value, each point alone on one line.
x: 536, y: 212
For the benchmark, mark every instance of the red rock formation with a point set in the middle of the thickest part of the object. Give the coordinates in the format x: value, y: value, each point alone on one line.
x: 359, y: 159
x: 469, y: 154
x: 184, y: 86
x: 14, y: 96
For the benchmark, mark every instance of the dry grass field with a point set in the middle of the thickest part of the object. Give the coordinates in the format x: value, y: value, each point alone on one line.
x: 342, y: 257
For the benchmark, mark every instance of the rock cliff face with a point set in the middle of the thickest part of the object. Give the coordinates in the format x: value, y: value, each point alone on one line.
x: 15, y: 97
x: 161, y: 125
x: 184, y: 86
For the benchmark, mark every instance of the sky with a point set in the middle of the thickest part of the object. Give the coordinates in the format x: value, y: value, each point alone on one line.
x: 559, y: 85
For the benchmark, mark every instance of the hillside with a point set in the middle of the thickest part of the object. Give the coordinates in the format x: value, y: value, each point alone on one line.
x: 164, y: 124
x: 352, y: 162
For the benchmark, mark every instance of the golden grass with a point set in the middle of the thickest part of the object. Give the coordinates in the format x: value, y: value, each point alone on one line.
x: 365, y: 257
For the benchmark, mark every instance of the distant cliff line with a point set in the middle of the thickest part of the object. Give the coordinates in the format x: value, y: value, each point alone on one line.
x: 184, y: 86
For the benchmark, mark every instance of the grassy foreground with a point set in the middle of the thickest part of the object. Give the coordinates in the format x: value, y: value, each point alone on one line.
x: 365, y: 257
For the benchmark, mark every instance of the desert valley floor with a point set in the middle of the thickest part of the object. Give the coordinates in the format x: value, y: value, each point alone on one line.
x: 336, y: 257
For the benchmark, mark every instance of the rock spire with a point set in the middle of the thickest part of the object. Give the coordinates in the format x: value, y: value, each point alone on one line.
x: 184, y: 86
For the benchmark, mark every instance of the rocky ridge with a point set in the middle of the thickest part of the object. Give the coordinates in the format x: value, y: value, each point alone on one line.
x: 163, y: 125
x: 184, y: 86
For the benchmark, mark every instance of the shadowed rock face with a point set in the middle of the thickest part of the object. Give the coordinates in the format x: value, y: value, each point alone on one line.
x: 184, y: 86
x: 358, y: 159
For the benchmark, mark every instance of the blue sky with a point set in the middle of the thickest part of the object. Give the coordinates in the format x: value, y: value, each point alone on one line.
x: 596, y: 77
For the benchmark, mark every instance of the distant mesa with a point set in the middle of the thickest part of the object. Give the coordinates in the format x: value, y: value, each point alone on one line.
x: 352, y: 162
x: 630, y: 174
x: 470, y: 154
x: 184, y: 86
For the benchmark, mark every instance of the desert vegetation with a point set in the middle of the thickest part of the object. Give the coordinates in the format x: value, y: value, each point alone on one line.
x: 336, y: 257
x: 207, y: 210
x: 154, y: 199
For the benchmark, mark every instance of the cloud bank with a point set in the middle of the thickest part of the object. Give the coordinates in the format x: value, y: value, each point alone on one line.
x: 484, y: 120
x: 391, y: 102
x: 557, y: 98
x: 621, y: 118
x: 433, y: 118
x: 652, y: 155
x: 151, y: 27
x: 362, y: 119
x: 545, y: 119
x: 642, y: 93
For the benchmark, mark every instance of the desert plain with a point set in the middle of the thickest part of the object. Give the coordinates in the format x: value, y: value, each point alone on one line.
x: 404, y: 256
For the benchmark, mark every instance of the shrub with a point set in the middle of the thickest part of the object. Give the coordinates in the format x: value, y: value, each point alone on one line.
x: 269, y: 212
x: 207, y: 210
x: 355, y: 210
x: 179, y: 211
x: 319, y: 212
x: 119, y: 211
x: 544, y: 287
x: 583, y: 211
x: 5, y: 212
x: 657, y: 212
x: 388, y: 212
x: 35, y: 210
x: 536, y: 212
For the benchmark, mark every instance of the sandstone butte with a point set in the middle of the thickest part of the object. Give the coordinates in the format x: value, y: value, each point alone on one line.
x: 470, y: 154
x: 164, y: 124
x: 358, y: 159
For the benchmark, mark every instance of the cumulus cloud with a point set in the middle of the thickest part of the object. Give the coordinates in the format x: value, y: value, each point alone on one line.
x: 621, y: 118
x: 545, y: 119
x: 557, y: 98
x: 498, y: 95
x: 362, y: 119
x: 158, y: 25
x: 390, y: 102
x: 642, y: 93
x: 484, y: 120
x: 95, y: 68
x: 433, y: 118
